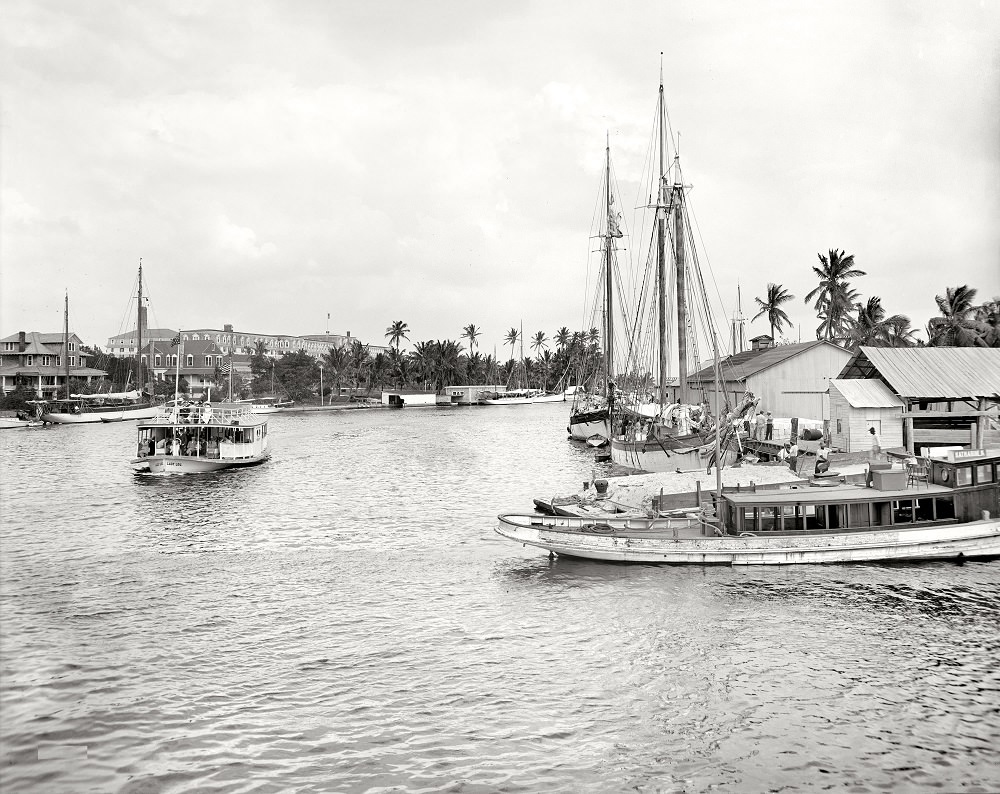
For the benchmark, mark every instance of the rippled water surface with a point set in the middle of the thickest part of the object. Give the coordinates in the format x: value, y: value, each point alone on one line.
x: 344, y: 618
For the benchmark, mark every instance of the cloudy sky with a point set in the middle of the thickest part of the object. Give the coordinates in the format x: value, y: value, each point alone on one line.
x: 438, y: 162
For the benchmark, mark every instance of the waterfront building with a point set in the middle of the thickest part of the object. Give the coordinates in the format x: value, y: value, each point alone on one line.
x: 790, y: 380
x: 949, y: 396
x: 195, y: 361
x: 39, y: 361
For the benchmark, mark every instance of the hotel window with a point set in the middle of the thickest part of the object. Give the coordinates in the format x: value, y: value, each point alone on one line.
x: 72, y: 361
x: 190, y: 361
x: 46, y: 361
x: 156, y: 360
x: 29, y: 361
x: 142, y: 359
x: 58, y: 361
x: 218, y: 360
x: 72, y: 345
x: 173, y: 360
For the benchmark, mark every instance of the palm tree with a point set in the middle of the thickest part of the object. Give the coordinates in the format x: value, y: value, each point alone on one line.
x: 397, y: 366
x: 872, y: 328
x: 989, y: 315
x: 397, y: 331
x: 421, y: 358
x: 834, y: 297
x: 337, y: 362
x: 771, y: 306
x: 511, y: 339
x: 539, y: 342
x: 957, y: 327
x: 471, y: 332
x: 562, y: 337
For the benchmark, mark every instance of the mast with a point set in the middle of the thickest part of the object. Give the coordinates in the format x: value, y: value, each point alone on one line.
x: 661, y: 269
x: 609, y: 343
x: 680, y: 285
x: 66, y: 341
x: 138, y: 329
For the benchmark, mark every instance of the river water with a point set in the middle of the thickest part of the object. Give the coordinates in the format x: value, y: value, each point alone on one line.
x: 343, y: 618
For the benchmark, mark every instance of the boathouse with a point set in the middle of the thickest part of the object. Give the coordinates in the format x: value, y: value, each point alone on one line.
x: 790, y: 380
x: 950, y: 396
x: 856, y: 406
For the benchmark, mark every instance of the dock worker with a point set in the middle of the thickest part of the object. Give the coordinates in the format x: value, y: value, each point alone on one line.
x: 876, y: 443
x: 769, y: 425
x: 758, y: 427
x: 822, y: 458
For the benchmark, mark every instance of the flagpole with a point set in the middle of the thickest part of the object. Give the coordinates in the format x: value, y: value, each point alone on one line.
x: 177, y: 371
x: 230, y: 379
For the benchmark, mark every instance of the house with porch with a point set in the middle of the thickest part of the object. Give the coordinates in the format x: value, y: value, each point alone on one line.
x: 41, y: 361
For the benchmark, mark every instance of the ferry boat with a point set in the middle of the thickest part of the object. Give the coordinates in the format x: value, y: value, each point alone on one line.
x: 195, y: 438
x: 940, y: 508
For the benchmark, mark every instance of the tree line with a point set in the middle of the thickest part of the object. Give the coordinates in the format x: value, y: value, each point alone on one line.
x: 849, y: 320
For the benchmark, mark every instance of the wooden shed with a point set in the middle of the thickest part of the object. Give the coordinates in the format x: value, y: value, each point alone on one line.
x: 858, y: 405
x: 790, y: 380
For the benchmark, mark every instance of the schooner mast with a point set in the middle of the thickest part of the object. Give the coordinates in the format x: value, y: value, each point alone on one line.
x: 670, y: 201
x: 611, y: 232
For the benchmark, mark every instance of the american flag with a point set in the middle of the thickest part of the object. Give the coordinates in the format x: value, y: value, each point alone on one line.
x: 227, y: 367
x: 175, y: 341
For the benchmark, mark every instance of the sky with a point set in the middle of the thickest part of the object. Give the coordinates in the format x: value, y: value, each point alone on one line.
x: 273, y: 162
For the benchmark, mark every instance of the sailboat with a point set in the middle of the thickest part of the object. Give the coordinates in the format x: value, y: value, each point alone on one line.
x: 590, y: 414
x: 663, y: 434
x: 93, y: 408
x: 518, y: 392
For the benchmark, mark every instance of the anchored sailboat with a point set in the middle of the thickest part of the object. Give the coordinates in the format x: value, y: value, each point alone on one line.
x: 594, y: 397
x: 669, y: 431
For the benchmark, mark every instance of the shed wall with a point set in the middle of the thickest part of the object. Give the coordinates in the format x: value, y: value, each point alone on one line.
x: 798, y: 387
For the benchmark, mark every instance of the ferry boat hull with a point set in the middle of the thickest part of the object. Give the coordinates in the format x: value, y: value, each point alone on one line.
x: 184, y: 464
x: 679, y: 541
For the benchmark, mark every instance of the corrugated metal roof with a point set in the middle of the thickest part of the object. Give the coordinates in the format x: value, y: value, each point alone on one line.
x: 864, y: 393
x: 933, y: 372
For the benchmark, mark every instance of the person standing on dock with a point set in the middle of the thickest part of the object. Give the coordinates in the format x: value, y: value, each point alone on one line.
x: 876, y: 443
x: 769, y: 427
x: 758, y: 427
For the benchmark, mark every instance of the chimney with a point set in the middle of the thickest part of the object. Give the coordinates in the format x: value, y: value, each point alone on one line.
x: 21, y: 343
x: 348, y: 334
x: 227, y: 328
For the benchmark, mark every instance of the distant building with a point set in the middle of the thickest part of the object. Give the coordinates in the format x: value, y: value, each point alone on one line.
x: 229, y: 342
x: 39, y: 361
x: 195, y: 362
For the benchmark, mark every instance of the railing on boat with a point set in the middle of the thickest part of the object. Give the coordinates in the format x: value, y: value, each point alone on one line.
x: 203, y: 413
